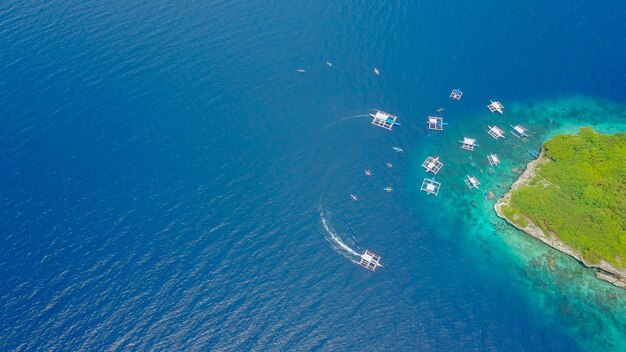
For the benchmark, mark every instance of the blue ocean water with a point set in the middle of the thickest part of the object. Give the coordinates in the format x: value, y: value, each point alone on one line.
x: 167, y: 174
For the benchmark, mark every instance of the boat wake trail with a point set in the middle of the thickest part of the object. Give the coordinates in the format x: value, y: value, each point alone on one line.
x: 337, y: 242
x: 343, y: 119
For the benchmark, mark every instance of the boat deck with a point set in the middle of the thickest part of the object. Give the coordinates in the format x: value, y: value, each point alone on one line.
x: 432, y: 165
x: 430, y: 186
x: 384, y: 120
x: 370, y: 260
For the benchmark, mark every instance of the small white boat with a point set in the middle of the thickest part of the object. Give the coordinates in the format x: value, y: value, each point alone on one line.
x: 398, y: 149
x: 388, y: 189
x: 389, y: 165
x: 376, y: 71
x: 329, y: 64
x: 301, y: 70
x: 368, y: 172
x: 354, y: 197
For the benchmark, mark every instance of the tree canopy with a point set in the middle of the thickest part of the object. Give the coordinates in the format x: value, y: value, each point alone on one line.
x: 580, y: 194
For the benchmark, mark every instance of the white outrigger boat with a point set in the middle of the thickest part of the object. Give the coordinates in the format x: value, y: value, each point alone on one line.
x: 368, y: 172
x: 301, y: 70
x: 519, y: 131
x: 495, y: 106
x: 388, y: 189
x: 435, y: 123
x: 329, y: 64
x: 432, y: 164
x: 456, y: 94
x: 495, y: 132
x: 370, y: 260
x: 384, y: 120
x: 493, y: 159
x: 376, y: 71
x: 468, y: 143
x: 430, y: 186
x: 354, y: 197
x: 472, y: 182
x: 389, y: 165
x: 398, y: 149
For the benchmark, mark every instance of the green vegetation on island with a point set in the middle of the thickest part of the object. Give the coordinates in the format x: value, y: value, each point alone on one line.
x: 579, y: 195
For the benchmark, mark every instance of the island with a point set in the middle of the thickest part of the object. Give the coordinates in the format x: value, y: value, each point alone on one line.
x: 573, y: 198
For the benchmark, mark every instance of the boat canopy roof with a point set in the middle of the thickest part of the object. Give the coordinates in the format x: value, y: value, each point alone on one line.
x: 469, y: 141
x: 381, y: 115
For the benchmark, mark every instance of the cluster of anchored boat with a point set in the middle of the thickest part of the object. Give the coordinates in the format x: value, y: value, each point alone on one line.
x: 433, y: 164
x: 370, y: 260
x: 430, y: 186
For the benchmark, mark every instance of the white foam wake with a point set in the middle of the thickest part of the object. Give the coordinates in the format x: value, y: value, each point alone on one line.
x: 343, y: 119
x: 335, y: 239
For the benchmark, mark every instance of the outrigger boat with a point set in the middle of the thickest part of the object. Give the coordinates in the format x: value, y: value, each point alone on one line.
x: 354, y: 197
x: 368, y: 172
x: 435, y: 123
x: 430, y: 186
x: 533, y: 153
x: 376, y: 71
x: 388, y: 189
x: 495, y: 132
x: 468, y: 143
x: 456, y: 94
x: 389, y: 165
x: 519, y: 131
x: 301, y: 70
x: 493, y: 159
x: 496, y: 106
x: 399, y: 150
x: 329, y: 64
x: 370, y: 260
x: 384, y: 120
x: 472, y: 182
x: 432, y: 164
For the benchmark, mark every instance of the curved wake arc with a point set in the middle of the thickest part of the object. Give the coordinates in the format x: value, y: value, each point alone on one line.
x: 343, y: 119
x: 337, y: 242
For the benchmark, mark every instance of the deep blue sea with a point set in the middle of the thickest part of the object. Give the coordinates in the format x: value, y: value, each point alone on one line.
x: 169, y: 181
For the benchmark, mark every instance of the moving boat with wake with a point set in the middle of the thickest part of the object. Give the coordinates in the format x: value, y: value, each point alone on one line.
x: 370, y: 260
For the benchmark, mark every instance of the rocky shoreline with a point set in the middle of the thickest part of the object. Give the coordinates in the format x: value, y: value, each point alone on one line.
x: 604, y: 270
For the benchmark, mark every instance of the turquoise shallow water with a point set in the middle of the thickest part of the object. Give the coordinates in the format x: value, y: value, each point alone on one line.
x: 166, y: 173
x: 565, y: 291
